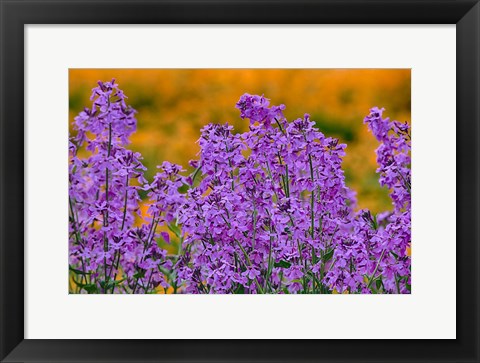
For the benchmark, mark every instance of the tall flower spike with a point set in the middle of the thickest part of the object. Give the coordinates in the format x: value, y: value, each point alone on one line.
x: 104, y: 199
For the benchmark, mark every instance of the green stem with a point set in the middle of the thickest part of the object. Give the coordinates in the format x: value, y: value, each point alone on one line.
x: 148, y: 283
x: 195, y: 174
x: 376, y: 268
x: 280, y: 126
x: 251, y: 265
x: 254, y: 232
x: 269, y: 267
x: 146, y: 245
x: 105, y: 219
x: 286, y: 180
x: 77, y: 238
x: 312, y: 198
x: 115, y: 263
x: 304, y: 269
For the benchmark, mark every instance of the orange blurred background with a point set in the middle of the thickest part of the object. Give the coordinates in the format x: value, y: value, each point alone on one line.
x: 174, y: 104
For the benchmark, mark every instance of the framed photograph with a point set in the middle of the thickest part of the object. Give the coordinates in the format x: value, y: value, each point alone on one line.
x: 239, y: 181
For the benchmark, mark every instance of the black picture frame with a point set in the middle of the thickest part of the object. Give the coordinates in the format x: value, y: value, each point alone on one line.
x: 15, y: 14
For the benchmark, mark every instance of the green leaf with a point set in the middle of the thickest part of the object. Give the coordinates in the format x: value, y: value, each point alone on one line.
x: 110, y: 284
x: 139, y: 275
x: 107, y: 284
x: 240, y: 289
x: 378, y: 283
x: 328, y: 256
x: 283, y: 264
x: 375, y: 222
x: 394, y: 254
x: 175, y: 229
x: 91, y: 288
x: 311, y: 276
x: 78, y: 272
x: 184, y: 188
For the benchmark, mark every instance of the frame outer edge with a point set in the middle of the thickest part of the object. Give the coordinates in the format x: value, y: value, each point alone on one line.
x: 11, y: 298
x: 11, y: 179
x: 468, y: 181
x: 3, y: 329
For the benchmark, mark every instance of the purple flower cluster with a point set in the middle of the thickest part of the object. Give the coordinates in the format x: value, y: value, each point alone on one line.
x: 107, y: 252
x: 268, y: 207
x: 373, y: 257
x: 266, y: 211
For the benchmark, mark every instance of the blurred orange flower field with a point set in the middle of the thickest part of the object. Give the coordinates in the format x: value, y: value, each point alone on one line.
x: 174, y: 104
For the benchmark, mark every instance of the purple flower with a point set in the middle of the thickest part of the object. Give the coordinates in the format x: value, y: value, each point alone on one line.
x: 104, y: 201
